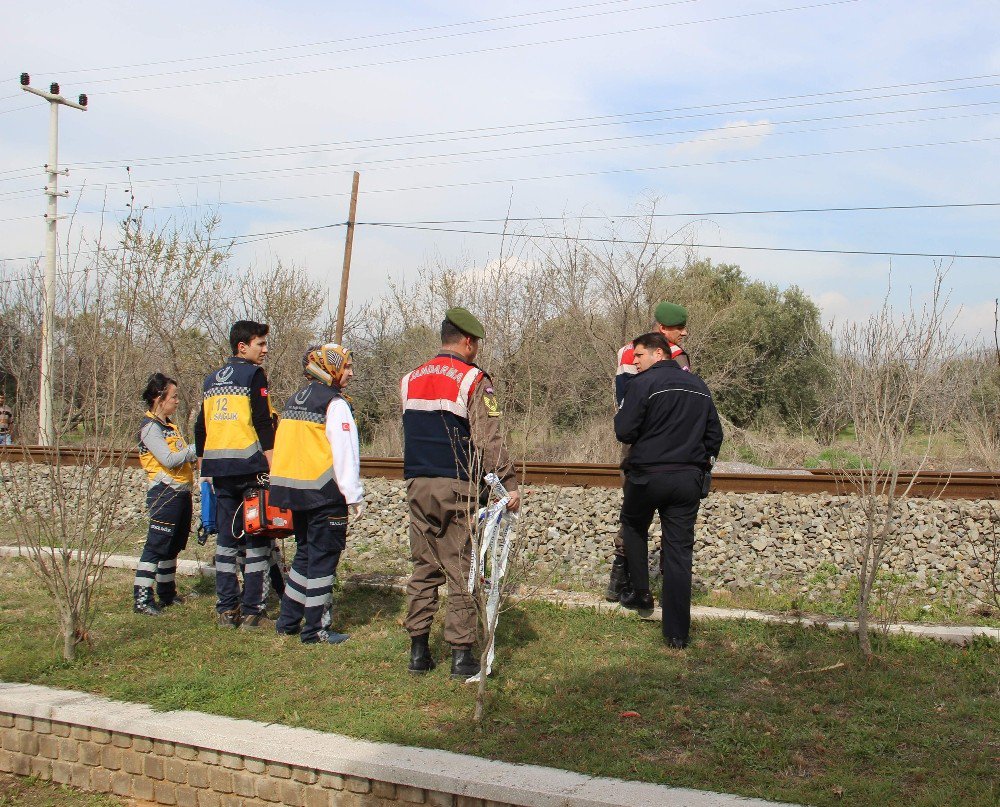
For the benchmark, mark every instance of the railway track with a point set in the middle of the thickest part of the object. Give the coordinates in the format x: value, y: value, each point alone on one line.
x: 958, y: 485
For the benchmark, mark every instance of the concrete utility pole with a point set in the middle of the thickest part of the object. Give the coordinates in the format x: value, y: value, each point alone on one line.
x: 46, y: 434
x: 348, y: 247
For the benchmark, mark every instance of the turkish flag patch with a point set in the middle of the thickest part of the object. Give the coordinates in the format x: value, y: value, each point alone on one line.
x: 345, y: 426
x: 263, y: 392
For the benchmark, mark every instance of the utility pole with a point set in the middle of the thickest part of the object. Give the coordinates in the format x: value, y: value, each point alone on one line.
x: 46, y: 434
x: 346, y: 271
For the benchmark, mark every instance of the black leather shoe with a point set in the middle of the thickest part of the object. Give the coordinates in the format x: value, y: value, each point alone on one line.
x: 463, y: 663
x: 641, y: 601
x: 421, y: 660
x: 618, y: 581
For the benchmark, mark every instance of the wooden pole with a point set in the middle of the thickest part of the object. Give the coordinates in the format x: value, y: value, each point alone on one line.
x: 346, y: 272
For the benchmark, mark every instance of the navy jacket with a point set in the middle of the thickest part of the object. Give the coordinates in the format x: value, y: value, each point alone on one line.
x: 669, y: 418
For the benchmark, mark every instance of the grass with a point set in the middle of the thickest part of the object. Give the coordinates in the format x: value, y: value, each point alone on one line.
x: 902, y: 606
x: 769, y: 711
x: 30, y: 792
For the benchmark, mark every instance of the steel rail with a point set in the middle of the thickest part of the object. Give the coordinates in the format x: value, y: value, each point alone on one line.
x: 927, y: 484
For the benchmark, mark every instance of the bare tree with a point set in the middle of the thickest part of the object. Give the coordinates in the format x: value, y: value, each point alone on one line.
x: 894, y: 374
x: 70, y: 508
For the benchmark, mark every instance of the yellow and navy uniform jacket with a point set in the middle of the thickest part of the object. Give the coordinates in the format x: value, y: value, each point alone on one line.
x: 232, y: 441
x: 163, y: 454
x: 302, y: 470
x: 437, y: 439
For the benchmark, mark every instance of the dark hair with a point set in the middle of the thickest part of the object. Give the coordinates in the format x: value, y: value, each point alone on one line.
x: 451, y: 333
x: 653, y: 341
x: 155, y: 388
x: 244, y: 331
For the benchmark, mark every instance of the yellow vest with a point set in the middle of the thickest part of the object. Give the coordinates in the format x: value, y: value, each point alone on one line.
x: 183, y: 474
x: 302, y: 475
x: 231, y: 444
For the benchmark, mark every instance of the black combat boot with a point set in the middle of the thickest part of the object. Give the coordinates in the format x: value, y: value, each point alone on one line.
x: 618, y: 581
x: 143, y: 602
x: 463, y: 663
x: 421, y: 660
x: 638, y: 600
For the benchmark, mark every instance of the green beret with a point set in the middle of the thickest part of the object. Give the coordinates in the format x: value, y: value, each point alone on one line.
x: 464, y: 320
x: 671, y: 315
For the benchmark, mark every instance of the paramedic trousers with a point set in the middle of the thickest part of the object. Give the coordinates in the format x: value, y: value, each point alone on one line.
x: 169, y: 525
x: 229, y: 492
x: 441, y: 511
x: 321, y: 536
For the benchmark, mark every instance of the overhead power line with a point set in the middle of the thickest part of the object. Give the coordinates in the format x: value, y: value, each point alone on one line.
x: 747, y: 106
x: 646, y: 139
x: 377, y: 45
x: 579, y: 174
x: 254, y: 237
x: 228, y: 240
x: 745, y: 131
x: 620, y: 216
x: 346, y: 40
x: 693, y: 214
x: 484, y: 50
x: 549, y: 236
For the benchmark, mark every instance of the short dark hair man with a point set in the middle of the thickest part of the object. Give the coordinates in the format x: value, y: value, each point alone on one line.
x: 670, y: 421
x: 670, y: 323
x: 234, y: 437
x: 451, y: 430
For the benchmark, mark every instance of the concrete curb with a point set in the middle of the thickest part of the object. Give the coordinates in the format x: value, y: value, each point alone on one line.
x: 440, y: 771
x: 952, y: 634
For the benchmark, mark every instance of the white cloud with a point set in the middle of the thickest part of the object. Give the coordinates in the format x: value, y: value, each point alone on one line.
x: 736, y: 136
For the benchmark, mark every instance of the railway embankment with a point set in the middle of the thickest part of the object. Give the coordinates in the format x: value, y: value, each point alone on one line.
x: 778, y: 542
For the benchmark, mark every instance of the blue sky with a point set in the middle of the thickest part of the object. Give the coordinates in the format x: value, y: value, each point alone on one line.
x: 703, y: 69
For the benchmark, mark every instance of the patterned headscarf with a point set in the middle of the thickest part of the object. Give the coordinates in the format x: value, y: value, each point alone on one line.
x: 326, y: 363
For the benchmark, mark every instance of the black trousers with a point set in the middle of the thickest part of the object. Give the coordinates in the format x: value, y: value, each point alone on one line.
x: 676, y: 496
x: 169, y: 525
x: 321, y: 535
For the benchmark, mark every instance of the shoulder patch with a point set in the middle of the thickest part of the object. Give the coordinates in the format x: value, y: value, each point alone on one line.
x: 345, y: 426
x: 490, y: 402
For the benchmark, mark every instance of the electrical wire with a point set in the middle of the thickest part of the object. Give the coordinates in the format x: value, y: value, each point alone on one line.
x: 621, y: 216
x: 232, y: 240
x: 484, y: 50
x: 605, y: 172
x: 695, y: 214
x: 419, y: 40
x: 254, y: 237
x: 502, y: 153
x: 564, y: 124
x: 548, y: 236
x: 346, y: 40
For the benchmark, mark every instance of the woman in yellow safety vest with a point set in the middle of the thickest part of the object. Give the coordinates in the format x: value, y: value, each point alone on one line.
x: 168, y: 462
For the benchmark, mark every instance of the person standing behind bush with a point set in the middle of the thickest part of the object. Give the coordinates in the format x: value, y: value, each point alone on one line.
x: 168, y: 462
x: 316, y: 474
x: 6, y: 421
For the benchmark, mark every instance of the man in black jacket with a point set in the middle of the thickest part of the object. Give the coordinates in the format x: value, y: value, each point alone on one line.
x: 669, y: 419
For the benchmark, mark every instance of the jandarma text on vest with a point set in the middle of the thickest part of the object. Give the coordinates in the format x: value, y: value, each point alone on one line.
x: 453, y: 373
